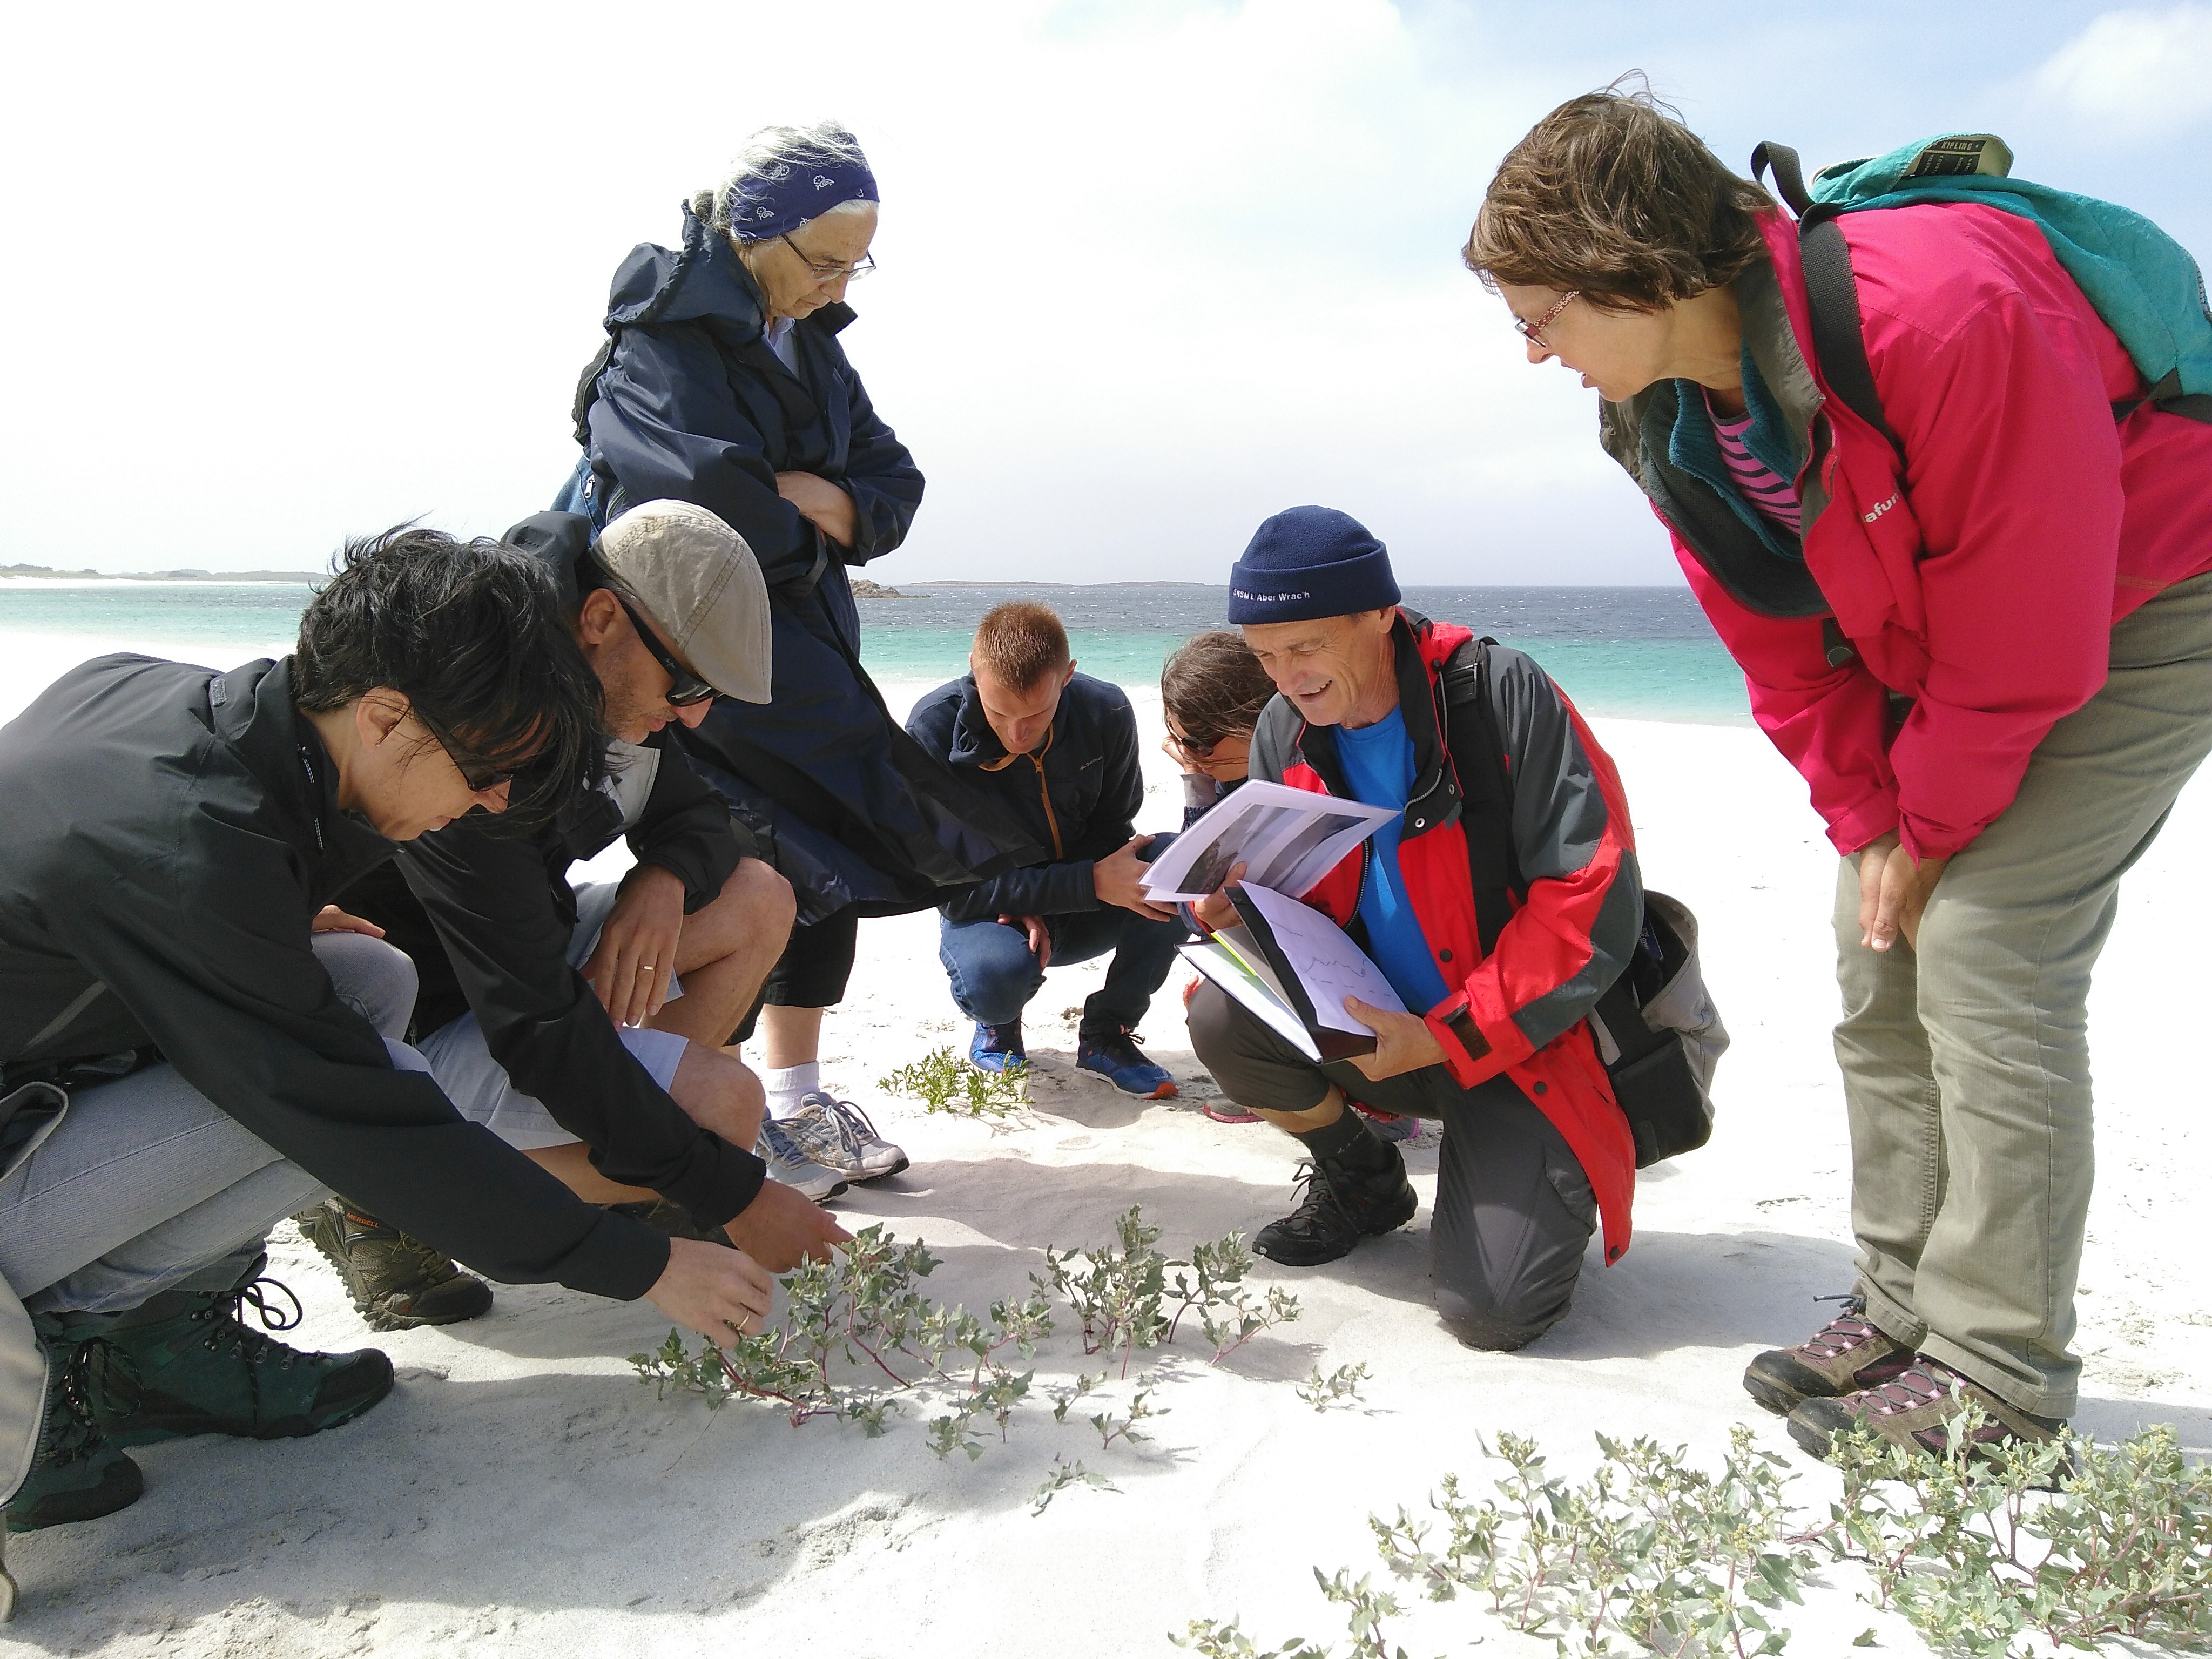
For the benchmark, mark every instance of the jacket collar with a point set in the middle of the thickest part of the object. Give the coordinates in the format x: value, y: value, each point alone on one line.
x: 974, y: 742
x: 253, y: 709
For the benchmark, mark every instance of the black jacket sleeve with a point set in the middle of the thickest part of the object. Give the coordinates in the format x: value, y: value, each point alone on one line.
x: 687, y: 831
x: 207, y: 944
x: 488, y: 897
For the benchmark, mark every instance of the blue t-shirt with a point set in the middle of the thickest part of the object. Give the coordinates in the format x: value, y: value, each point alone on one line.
x: 1378, y: 767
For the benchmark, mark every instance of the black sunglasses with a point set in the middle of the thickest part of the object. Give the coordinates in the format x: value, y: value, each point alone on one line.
x: 685, y: 687
x: 480, y: 774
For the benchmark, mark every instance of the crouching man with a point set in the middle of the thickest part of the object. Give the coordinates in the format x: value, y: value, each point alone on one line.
x: 169, y: 837
x: 1385, y: 707
x: 1059, y: 749
x: 565, y: 1020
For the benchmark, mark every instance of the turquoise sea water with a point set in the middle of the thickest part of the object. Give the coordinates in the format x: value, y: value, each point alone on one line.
x: 1643, y: 653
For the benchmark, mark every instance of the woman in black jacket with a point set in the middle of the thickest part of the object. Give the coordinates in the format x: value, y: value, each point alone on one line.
x: 723, y: 383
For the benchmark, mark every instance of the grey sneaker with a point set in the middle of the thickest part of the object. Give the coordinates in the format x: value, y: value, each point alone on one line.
x: 837, y: 1135
x: 787, y: 1161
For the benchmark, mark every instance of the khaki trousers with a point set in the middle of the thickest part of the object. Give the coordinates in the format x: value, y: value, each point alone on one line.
x: 1966, y: 1063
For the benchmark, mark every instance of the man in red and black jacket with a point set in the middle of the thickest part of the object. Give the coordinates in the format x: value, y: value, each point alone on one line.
x: 1535, y: 1151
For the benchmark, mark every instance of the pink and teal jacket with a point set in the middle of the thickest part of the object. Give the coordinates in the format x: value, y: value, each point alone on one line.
x: 1976, y: 587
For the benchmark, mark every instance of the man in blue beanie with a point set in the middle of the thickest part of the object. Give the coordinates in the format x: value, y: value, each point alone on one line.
x: 1500, y: 910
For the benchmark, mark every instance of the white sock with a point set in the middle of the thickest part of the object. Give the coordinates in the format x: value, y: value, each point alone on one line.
x: 787, y: 1085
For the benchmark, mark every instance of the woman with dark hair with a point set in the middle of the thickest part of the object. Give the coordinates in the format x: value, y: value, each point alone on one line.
x: 1983, y: 637
x: 1211, y: 691
x: 723, y: 383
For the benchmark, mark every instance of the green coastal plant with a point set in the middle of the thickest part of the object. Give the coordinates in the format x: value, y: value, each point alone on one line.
x: 1066, y: 1474
x: 1121, y: 1294
x: 1993, y: 1550
x: 2068, y: 1540
x: 1339, y: 1387
x: 856, y: 1331
x: 944, y: 1081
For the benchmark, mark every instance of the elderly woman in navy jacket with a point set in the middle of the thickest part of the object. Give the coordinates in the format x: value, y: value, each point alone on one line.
x: 723, y: 383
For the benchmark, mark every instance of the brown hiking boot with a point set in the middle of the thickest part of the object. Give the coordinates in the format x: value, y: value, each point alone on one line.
x: 1844, y: 1355
x: 396, y: 1282
x: 1914, y: 1409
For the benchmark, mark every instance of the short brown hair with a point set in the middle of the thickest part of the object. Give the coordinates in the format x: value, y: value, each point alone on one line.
x: 1213, y: 688
x: 1612, y: 196
x: 1021, y: 642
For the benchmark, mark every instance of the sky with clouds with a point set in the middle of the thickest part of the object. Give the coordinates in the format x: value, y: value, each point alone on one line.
x: 1148, y: 270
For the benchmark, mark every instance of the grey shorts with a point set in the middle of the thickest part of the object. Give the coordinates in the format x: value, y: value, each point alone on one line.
x: 478, y: 1084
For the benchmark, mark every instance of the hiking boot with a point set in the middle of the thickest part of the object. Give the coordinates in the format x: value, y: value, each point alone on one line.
x: 1846, y: 1355
x: 1114, y: 1055
x: 1339, y: 1209
x: 995, y: 1047
x: 75, y: 1475
x: 788, y: 1163
x: 1912, y: 1408
x: 836, y: 1134
x: 396, y: 1282
x: 185, y: 1364
x: 673, y: 1219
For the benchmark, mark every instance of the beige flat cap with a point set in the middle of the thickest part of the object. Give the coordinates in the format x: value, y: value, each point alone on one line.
x: 700, y: 583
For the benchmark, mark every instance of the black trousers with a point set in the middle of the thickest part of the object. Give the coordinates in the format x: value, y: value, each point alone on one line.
x: 1514, y: 1210
x: 812, y: 970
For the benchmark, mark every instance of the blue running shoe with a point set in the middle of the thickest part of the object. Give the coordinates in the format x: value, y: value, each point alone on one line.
x: 1118, y: 1059
x: 994, y: 1047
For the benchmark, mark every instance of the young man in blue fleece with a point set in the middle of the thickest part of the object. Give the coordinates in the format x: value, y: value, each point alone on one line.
x: 1059, y: 749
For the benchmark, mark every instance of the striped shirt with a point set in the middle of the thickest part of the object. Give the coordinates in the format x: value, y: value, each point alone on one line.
x: 1776, y: 497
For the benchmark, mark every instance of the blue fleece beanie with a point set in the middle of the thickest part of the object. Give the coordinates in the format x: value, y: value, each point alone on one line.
x: 1310, y: 561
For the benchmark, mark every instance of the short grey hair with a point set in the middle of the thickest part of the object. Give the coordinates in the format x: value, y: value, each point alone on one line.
x: 772, y: 147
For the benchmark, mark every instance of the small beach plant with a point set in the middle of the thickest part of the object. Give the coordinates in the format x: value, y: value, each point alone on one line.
x: 1121, y: 1293
x: 1339, y: 1387
x: 943, y: 1081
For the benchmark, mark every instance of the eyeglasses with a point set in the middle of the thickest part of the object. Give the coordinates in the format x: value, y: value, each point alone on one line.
x: 685, y: 687
x: 829, y: 271
x: 482, y: 776
x: 1533, y: 332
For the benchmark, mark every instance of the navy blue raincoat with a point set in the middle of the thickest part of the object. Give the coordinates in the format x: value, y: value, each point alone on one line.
x: 688, y: 402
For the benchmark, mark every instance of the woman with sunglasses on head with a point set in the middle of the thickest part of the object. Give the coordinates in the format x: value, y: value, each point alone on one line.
x: 1211, y: 691
x: 1982, y: 631
x: 723, y: 382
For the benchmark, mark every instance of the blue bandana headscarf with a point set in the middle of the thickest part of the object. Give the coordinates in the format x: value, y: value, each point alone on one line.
x: 789, y: 193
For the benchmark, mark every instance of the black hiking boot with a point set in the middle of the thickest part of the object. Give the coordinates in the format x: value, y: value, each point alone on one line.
x: 1339, y: 1209
x: 396, y: 1282
x: 75, y: 1475
x: 184, y: 1363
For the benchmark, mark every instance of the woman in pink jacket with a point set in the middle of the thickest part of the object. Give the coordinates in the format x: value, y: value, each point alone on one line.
x: 1992, y: 661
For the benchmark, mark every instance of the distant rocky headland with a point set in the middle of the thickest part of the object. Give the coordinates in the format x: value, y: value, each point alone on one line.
x: 47, y: 572
x: 865, y: 589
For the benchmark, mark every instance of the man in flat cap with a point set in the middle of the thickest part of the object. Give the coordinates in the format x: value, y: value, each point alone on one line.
x: 584, y: 1025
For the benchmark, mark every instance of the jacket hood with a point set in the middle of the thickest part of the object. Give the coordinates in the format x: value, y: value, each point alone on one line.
x: 701, y: 280
x: 974, y: 742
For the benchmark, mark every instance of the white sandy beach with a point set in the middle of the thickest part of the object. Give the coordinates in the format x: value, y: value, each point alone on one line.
x: 520, y: 1493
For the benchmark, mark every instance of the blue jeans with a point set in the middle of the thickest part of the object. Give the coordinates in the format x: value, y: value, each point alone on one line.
x: 994, y: 973
x: 146, y: 1185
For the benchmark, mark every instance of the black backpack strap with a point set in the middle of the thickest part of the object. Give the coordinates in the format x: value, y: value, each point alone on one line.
x: 1485, y: 783
x: 1788, y: 176
x: 1831, y: 293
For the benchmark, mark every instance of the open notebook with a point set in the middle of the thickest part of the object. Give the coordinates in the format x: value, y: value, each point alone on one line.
x: 1292, y: 967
